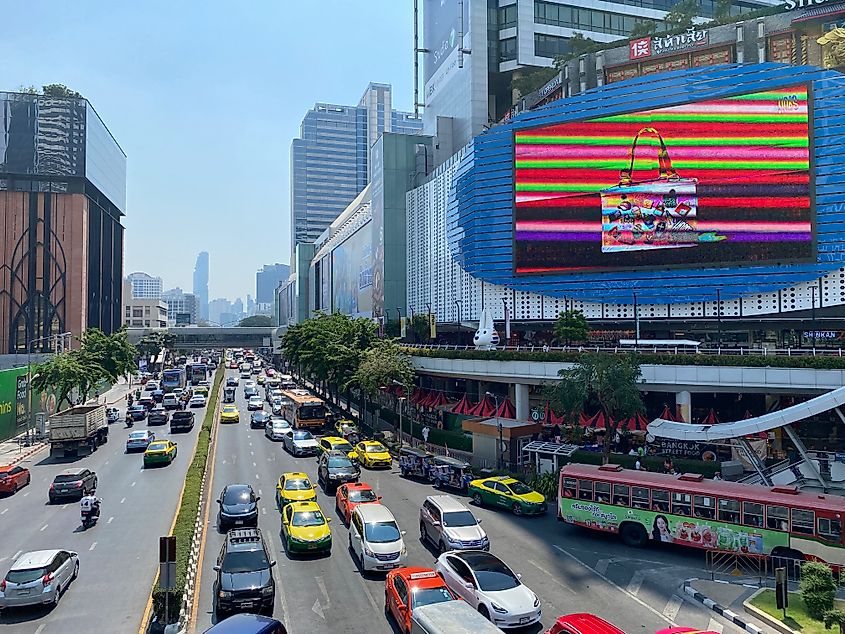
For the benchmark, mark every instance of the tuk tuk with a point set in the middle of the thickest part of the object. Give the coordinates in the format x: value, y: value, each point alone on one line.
x: 415, y: 462
x: 229, y: 394
x: 348, y: 430
x: 451, y: 473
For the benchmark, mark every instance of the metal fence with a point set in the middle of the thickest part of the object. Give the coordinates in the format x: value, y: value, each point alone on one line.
x: 721, y: 564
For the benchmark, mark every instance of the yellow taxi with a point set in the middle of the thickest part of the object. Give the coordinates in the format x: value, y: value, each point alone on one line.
x: 201, y: 389
x: 261, y: 380
x: 159, y: 452
x: 334, y: 443
x: 305, y: 528
x: 508, y: 493
x: 294, y: 486
x: 230, y: 414
x: 372, y: 453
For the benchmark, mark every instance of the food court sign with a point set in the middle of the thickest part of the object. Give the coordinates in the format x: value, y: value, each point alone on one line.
x: 651, y: 46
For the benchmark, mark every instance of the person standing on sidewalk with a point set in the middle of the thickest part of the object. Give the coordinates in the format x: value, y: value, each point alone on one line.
x: 425, y: 432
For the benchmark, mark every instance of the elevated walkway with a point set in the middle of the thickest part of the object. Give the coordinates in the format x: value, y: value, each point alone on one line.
x: 197, y: 337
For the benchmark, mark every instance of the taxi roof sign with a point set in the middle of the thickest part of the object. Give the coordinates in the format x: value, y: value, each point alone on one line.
x: 423, y: 575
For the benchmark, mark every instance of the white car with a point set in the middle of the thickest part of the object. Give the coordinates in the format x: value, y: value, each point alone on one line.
x: 487, y: 584
x: 255, y: 402
x: 300, y: 442
x: 150, y: 386
x: 112, y: 414
x: 139, y: 440
x: 375, y: 539
x: 277, y: 429
x: 38, y: 578
x: 249, y: 384
x: 197, y: 400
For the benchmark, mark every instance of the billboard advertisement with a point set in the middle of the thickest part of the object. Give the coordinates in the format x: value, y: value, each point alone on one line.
x: 352, y: 274
x: 713, y: 182
x: 441, y: 26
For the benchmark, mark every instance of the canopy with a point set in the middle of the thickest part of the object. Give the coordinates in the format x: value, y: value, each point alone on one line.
x: 711, y: 418
x: 463, y: 406
x: 636, y: 422
x: 552, y: 418
x: 668, y: 415
x: 484, y: 408
x: 437, y: 399
x: 506, y: 409
x: 417, y: 395
x: 597, y: 420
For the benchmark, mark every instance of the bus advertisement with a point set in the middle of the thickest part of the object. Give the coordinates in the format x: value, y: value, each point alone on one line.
x: 303, y: 410
x: 196, y: 372
x: 172, y: 379
x: 690, y: 510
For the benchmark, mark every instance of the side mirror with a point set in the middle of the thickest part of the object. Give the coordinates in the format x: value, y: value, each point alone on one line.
x: 519, y: 575
x: 216, y: 568
x: 479, y: 521
x: 358, y: 537
x: 404, y: 532
x: 328, y: 519
x: 257, y: 497
x: 468, y: 585
x: 272, y: 563
x: 220, y: 502
x: 378, y: 498
x: 435, y: 523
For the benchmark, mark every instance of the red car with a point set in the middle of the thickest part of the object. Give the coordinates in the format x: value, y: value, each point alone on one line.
x: 409, y: 588
x: 350, y: 495
x: 582, y: 624
x: 13, y: 478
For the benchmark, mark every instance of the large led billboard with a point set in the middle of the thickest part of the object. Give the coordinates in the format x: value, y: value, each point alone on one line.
x: 715, y: 182
x: 352, y: 274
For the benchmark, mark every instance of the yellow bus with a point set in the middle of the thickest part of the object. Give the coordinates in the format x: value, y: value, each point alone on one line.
x: 303, y: 410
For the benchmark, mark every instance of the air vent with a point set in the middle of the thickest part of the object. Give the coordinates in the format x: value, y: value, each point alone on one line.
x: 611, y: 467
x: 692, y: 477
x: 787, y: 490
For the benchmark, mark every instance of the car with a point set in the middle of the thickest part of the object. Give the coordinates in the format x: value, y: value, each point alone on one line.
x: 112, y: 414
x: 249, y: 383
x: 13, y: 478
x: 509, y: 493
x: 300, y: 442
x: 146, y: 401
x: 294, y: 486
x: 72, y: 483
x: 232, y: 381
x: 177, y: 392
x: 150, y: 386
x: 139, y: 440
x: 490, y: 586
x: 270, y: 372
x: 277, y: 428
x: 137, y: 412
x: 350, y: 495
x: 375, y: 540
x: 260, y: 379
x: 158, y: 396
x: 250, y: 391
x: 233, y: 365
x: 449, y: 525
x: 197, y: 400
x: 201, y: 389
x: 246, y: 623
x: 38, y: 577
x: 238, y: 507
x: 335, y: 443
x: 305, y: 528
x: 335, y: 468
x: 259, y: 419
x: 158, y: 416
x: 274, y: 393
x: 372, y: 454
x: 183, y: 420
x: 406, y: 589
x: 204, y: 384
x: 244, y: 574
x: 254, y: 403
x: 170, y: 401
x: 230, y: 414
x: 591, y: 624
x: 160, y: 452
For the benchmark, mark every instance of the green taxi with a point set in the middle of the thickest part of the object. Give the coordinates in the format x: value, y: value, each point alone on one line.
x: 507, y: 493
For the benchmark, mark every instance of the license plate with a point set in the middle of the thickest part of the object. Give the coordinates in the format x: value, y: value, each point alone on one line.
x: 387, y: 566
x: 237, y: 522
x: 24, y: 592
x: 524, y: 619
x: 312, y: 546
x: 246, y: 604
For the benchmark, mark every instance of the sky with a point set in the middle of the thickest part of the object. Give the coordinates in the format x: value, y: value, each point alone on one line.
x: 205, y: 98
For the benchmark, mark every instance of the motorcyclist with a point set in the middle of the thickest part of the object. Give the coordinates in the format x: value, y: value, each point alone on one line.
x: 89, y: 505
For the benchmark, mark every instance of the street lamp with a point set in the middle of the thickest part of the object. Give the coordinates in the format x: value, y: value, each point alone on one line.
x: 499, y: 460
x: 60, y: 346
x: 401, y: 407
x: 458, y: 305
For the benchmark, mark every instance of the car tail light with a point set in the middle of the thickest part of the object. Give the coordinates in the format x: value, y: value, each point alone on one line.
x: 3, y: 585
x: 77, y: 484
x: 46, y: 580
x: 52, y: 485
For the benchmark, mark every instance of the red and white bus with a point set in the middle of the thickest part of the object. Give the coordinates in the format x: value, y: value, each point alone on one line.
x: 693, y: 511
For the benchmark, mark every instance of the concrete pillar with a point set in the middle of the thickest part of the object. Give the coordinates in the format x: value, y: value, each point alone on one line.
x: 523, y: 406
x: 683, y: 405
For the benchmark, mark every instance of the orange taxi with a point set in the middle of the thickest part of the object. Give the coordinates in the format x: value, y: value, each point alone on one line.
x: 409, y: 588
x: 582, y: 623
x: 350, y: 495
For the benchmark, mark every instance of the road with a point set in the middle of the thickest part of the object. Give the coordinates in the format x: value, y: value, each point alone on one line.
x: 571, y: 569
x: 119, y: 556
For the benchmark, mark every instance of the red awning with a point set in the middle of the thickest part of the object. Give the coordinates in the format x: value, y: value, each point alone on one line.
x: 637, y: 422
x: 437, y: 400
x: 711, y: 418
x: 557, y: 419
x: 484, y: 408
x: 416, y: 395
x: 667, y: 414
x: 463, y: 406
x: 506, y: 409
x: 597, y: 420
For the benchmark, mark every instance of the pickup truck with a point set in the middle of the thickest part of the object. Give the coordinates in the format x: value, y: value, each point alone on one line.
x: 183, y: 420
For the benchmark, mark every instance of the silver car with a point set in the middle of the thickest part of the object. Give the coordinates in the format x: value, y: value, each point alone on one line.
x: 300, y: 442
x: 38, y: 578
x: 449, y: 525
x: 277, y: 429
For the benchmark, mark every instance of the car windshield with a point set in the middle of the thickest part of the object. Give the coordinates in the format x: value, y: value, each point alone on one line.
x: 300, y: 484
x: 237, y: 496
x: 382, y: 532
x: 345, y: 447
x: 459, y: 518
x: 493, y: 576
x: 136, y: 408
x: 362, y: 495
x: 138, y: 435
x: 375, y: 449
x: 339, y: 463
x: 308, y: 518
x: 427, y: 596
x: 278, y: 424
x: 68, y: 478
x: 302, y: 435
x: 25, y: 576
x: 158, y: 446
x: 229, y: 410
x: 246, y: 561
x: 309, y: 412
x: 518, y: 488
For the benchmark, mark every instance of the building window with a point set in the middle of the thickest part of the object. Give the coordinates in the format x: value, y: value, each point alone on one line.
x: 550, y: 45
x: 507, y: 49
x: 507, y: 17
x: 586, y: 19
x: 782, y: 48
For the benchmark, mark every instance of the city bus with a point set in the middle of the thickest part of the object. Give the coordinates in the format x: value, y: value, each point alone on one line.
x: 303, y: 410
x: 196, y: 372
x: 173, y: 378
x: 748, y: 519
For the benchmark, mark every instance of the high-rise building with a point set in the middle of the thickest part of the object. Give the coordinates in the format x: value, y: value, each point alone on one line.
x: 267, y: 279
x: 181, y: 306
x: 238, y: 308
x: 330, y: 160
x: 216, y: 309
x: 201, y: 283
x: 142, y: 312
x: 62, y: 196
x: 250, y: 305
x: 144, y: 285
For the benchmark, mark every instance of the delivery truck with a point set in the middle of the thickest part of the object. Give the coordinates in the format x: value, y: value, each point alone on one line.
x: 78, y: 431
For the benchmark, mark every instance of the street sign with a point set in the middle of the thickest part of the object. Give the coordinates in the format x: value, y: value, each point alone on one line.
x: 167, y: 563
x: 781, y: 591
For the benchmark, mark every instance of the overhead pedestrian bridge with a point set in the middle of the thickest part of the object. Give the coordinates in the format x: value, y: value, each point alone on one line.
x: 198, y: 337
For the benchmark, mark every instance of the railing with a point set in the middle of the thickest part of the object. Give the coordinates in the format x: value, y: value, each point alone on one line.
x: 721, y: 563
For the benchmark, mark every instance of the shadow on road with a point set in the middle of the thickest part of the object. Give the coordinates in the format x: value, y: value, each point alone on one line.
x: 24, y: 615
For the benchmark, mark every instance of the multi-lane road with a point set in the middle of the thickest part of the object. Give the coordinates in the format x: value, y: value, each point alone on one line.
x: 570, y: 569
x: 118, y: 557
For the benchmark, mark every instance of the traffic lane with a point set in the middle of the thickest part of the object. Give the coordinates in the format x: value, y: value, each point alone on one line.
x: 138, y: 506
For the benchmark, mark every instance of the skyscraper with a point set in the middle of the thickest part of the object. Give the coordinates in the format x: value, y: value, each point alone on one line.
x: 180, y: 303
x: 329, y: 162
x: 201, y: 283
x: 144, y: 285
x: 267, y: 279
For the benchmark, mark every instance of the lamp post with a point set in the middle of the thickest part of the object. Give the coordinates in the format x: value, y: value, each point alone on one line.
x: 401, y: 407
x: 499, y: 460
x: 399, y: 317
x: 458, y: 305
x: 636, y: 322
x: 719, y: 314
x: 413, y: 332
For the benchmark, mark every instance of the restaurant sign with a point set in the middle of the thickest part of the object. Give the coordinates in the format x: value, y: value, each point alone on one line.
x: 806, y: 4
x: 649, y: 46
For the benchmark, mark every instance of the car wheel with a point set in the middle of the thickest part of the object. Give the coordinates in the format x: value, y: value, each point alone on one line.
x: 423, y: 536
x: 58, y: 596
x: 476, y: 499
x: 483, y: 611
x: 517, y: 508
x: 442, y: 547
x: 75, y: 571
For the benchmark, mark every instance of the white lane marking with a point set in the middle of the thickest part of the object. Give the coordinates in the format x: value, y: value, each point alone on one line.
x: 224, y: 462
x: 635, y: 583
x: 93, y: 546
x: 672, y: 607
x: 64, y: 506
x: 601, y: 566
x: 25, y: 494
x: 251, y: 453
x: 259, y: 492
x: 254, y: 465
x: 256, y: 477
x: 551, y: 576
x: 263, y: 511
x: 317, y: 609
x: 17, y: 554
x: 3, y: 512
x: 110, y: 520
x: 44, y: 480
x: 40, y: 628
x: 133, y: 484
x: 715, y: 626
x: 609, y: 582
x: 43, y: 527
x: 106, y: 462
x: 122, y: 500
x: 322, y: 586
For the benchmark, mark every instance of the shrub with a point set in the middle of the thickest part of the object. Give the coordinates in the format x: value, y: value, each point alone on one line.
x: 835, y: 617
x: 545, y: 483
x: 818, y: 589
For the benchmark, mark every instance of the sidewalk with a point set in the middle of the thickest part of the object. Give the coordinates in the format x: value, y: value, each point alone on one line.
x: 725, y: 598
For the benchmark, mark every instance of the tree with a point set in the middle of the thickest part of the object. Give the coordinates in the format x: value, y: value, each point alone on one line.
x: 67, y: 372
x: 383, y: 364
x: 818, y: 589
x: 59, y: 90
x: 607, y: 381
x: 571, y: 325
x: 644, y: 28
x: 421, y: 326
x: 723, y: 11
x: 835, y: 617
x: 112, y: 352
x: 681, y: 15
x: 527, y: 81
x: 256, y: 321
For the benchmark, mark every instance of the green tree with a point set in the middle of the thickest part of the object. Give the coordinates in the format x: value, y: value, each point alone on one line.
x: 682, y: 13
x: 67, y: 372
x: 58, y: 90
x: 723, y: 11
x: 421, y: 327
x: 818, y: 589
x: 112, y: 352
x: 607, y: 381
x: 383, y: 364
x: 527, y: 81
x: 392, y: 328
x: 835, y: 617
x: 256, y: 321
x: 643, y: 28
x: 571, y: 326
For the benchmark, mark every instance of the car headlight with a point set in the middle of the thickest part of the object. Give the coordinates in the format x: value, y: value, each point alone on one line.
x: 267, y: 591
x: 224, y: 595
x: 536, y: 601
x: 498, y: 608
x: 333, y: 476
x: 368, y: 552
x: 403, y: 552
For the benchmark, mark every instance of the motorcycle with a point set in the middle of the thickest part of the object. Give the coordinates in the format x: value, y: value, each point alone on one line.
x: 129, y: 421
x: 90, y: 517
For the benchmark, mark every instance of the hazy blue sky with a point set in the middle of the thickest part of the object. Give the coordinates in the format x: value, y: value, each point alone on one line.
x: 204, y: 98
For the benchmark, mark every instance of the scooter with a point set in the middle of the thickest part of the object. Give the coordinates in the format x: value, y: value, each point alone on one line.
x: 89, y: 518
x: 129, y: 421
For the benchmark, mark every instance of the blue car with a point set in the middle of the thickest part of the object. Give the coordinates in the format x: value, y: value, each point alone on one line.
x: 248, y: 624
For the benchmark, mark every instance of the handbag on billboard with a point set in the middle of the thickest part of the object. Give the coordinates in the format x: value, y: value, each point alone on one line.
x: 656, y: 213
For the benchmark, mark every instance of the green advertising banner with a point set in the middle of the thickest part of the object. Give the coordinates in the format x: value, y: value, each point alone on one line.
x: 14, y: 402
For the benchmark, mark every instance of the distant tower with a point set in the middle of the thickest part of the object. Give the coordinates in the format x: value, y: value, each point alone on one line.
x: 201, y: 283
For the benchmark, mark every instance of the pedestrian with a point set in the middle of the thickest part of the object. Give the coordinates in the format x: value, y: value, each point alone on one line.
x: 638, y: 465
x: 640, y: 451
x: 425, y: 432
x: 717, y: 475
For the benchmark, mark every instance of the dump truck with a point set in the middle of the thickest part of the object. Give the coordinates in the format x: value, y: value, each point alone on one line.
x: 78, y: 431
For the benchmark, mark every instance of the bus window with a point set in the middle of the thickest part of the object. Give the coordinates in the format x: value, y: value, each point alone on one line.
x: 704, y: 506
x: 585, y: 489
x: 681, y: 503
x: 621, y: 495
x: 729, y: 511
x: 777, y: 518
x: 660, y: 500
x: 569, y: 487
x: 803, y: 521
x: 752, y: 514
x: 830, y: 530
x: 603, y: 492
x: 639, y: 497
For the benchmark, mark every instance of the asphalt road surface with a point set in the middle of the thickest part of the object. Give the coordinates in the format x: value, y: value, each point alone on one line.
x: 119, y: 556
x: 570, y: 569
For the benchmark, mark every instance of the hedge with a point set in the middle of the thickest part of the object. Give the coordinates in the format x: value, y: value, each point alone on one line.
x: 441, y: 437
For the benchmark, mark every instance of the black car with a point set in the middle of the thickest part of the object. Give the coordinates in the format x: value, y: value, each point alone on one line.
x: 259, y: 419
x: 250, y: 391
x: 244, y: 575
x: 335, y: 468
x: 238, y: 507
x: 158, y: 396
x: 232, y: 381
x: 72, y: 484
x: 158, y: 416
x: 183, y: 420
x: 137, y: 412
x: 147, y: 401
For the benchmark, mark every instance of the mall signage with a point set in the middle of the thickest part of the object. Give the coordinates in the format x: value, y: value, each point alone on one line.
x: 806, y: 4
x: 649, y: 46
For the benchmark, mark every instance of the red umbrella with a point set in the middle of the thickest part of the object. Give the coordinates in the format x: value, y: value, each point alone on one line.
x: 599, y: 421
x: 558, y: 420
x: 711, y: 418
x: 667, y: 414
x: 484, y: 408
x: 437, y: 400
x: 506, y: 409
x: 463, y: 406
x: 638, y: 422
x: 584, y: 420
x: 429, y: 397
x: 416, y: 395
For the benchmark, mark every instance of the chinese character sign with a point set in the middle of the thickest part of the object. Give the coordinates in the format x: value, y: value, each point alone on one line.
x: 641, y: 48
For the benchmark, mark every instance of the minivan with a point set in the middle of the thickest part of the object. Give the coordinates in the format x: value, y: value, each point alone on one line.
x: 375, y: 539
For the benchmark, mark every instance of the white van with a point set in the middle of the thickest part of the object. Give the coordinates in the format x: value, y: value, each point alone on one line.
x: 375, y: 538
x: 450, y: 617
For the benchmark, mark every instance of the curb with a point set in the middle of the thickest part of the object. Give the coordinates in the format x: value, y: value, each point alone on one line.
x: 766, y: 618
x: 718, y: 609
x: 27, y: 454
